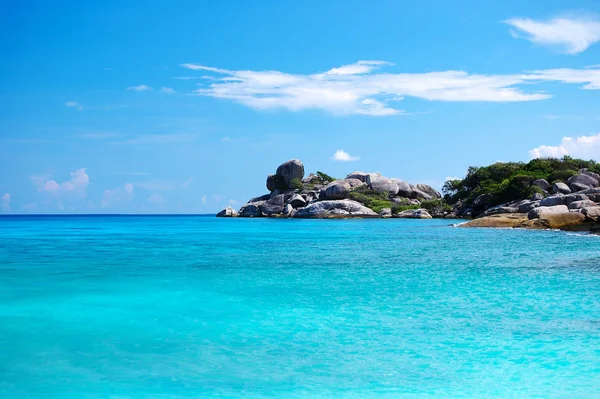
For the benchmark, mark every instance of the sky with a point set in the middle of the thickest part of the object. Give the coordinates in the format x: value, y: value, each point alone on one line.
x: 187, y: 106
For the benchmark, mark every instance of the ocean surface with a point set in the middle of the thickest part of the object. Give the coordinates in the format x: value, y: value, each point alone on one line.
x: 200, y: 307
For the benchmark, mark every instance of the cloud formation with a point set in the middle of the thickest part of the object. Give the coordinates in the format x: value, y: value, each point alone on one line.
x: 360, y: 88
x: 5, y: 203
x: 584, y: 147
x: 572, y: 35
x: 341, y: 155
x: 74, y: 104
x: 117, y: 195
x: 167, y: 90
x: 141, y: 87
x: 76, y: 185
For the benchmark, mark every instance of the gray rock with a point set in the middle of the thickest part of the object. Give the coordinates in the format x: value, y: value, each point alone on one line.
x: 542, y: 211
x: 590, y: 173
x: 292, y: 169
x: 561, y: 188
x: 385, y: 185
x: 553, y: 200
x: 577, y: 187
x: 405, y: 201
x: 228, y: 212
x: 335, y: 209
x: 592, y: 212
x: 296, y: 201
x: 528, y: 206
x: 362, y: 176
x: 537, y: 197
x: 405, y: 190
x: 251, y: 210
x: 385, y: 213
x: 574, y: 197
x: 354, y: 183
x: 543, y: 184
x: 582, y: 204
x: 275, y: 182
x: 311, y: 179
x: 288, y: 210
x: 414, y: 214
x: 312, y: 196
x: 274, y: 206
x: 261, y: 198
x: 583, y: 179
x: 481, y: 204
x: 495, y: 210
x: 335, y: 190
x: 432, y: 192
x: 592, y: 193
x: 372, y: 177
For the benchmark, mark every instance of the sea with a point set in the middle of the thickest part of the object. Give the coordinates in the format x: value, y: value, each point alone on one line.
x: 203, y: 307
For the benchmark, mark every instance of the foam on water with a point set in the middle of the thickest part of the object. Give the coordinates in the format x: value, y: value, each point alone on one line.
x: 194, y: 307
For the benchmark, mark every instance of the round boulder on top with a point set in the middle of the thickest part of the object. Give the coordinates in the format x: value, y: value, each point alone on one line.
x: 590, y: 173
x: 276, y: 182
x: 290, y: 170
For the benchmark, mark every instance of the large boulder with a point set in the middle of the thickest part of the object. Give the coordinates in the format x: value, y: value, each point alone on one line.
x: 574, y: 197
x: 583, y: 179
x: 335, y: 209
x: 564, y: 221
x: 276, y: 182
x: 414, y: 214
x: 385, y: 185
x: 526, y: 207
x: 543, y: 211
x: 362, y: 176
x: 296, y: 201
x: 582, y: 204
x: 290, y: 170
x: 537, y: 197
x: 228, y: 212
x: 260, y: 198
x: 251, y: 210
x: 561, y: 188
x: 590, y: 173
x: 338, y: 189
x: 543, y: 184
x: 430, y: 191
x: 354, y: 183
x: 274, y: 206
x: 592, y: 193
x: 577, y: 187
x: 553, y: 200
x: 405, y: 190
x: 502, y: 209
x: 370, y: 177
x: 504, y: 220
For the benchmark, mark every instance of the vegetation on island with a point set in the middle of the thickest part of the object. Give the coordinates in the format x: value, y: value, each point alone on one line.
x: 508, y: 181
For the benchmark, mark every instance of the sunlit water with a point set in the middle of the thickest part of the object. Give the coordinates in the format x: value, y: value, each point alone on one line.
x: 200, y: 307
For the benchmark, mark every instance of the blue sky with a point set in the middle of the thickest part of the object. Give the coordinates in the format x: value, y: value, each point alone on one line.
x: 185, y: 107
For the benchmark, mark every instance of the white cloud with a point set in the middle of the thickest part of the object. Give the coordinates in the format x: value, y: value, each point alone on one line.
x: 167, y: 90
x: 5, y: 203
x: 573, y: 35
x: 140, y: 88
x: 341, y: 155
x: 76, y: 185
x: 74, y: 104
x: 359, y: 89
x: 584, y: 147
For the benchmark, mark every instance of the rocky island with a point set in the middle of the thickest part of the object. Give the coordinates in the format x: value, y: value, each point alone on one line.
x: 542, y: 194
x: 359, y: 194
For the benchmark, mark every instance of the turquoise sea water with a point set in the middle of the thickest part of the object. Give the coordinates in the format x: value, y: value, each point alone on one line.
x: 200, y: 307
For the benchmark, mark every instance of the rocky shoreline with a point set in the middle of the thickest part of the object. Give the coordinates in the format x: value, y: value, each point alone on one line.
x: 573, y: 205
x: 318, y: 196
